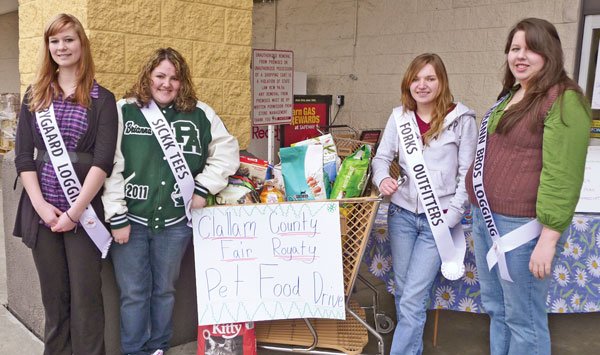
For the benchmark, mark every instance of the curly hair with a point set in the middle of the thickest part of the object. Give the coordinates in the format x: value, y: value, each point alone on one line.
x: 42, y: 90
x: 141, y: 90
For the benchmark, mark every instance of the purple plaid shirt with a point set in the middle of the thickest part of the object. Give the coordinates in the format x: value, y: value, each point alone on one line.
x: 72, y: 123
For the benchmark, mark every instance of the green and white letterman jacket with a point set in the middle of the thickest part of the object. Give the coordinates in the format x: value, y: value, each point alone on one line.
x: 142, y: 187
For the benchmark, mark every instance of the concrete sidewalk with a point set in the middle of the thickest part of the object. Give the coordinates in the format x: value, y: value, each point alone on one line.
x: 14, y: 337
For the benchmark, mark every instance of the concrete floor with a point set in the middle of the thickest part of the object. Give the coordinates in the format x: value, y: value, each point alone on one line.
x: 14, y: 337
x: 458, y: 332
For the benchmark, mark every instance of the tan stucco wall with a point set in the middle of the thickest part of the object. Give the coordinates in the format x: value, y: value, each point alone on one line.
x: 361, y: 48
x: 213, y: 35
x: 9, y: 53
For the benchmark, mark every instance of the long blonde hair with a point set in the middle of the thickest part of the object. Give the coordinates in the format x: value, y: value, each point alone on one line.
x: 186, y: 96
x: 45, y: 87
x: 444, y: 99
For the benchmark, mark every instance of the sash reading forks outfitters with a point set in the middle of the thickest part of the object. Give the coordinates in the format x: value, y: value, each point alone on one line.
x: 450, y: 245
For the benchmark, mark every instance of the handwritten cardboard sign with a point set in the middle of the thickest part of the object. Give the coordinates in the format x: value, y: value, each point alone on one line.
x: 264, y: 262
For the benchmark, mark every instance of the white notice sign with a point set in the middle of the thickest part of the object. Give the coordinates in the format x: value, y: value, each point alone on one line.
x: 596, y: 88
x: 263, y: 262
x: 589, y: 200
x: 272, y: 86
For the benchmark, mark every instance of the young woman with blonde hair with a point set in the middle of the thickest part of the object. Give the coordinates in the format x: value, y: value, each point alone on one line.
x: 61, y: 181
x: 433, y: 139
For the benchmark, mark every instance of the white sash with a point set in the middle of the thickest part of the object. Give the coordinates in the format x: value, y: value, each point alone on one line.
x: 173, y: 153
x: 63, y: 168
x: 451, y: 247
x: 512, y: 240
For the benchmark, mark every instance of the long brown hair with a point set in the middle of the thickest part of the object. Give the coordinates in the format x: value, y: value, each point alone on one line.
x: 444, y: 99
x: 186, y: 97
x: 45, y: 87
x: 542, y: 38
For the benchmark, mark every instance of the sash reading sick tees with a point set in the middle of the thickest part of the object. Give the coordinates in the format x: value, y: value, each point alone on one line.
x: 181, y: 171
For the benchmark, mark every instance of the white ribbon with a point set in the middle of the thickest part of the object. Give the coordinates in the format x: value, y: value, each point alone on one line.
x: 450, y: 246
x: 512, y: 240
x: 63, y: 168
x: 173, y: 153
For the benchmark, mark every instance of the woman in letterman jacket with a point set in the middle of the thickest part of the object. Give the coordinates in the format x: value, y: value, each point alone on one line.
x: 144, y: 201
x: 447, y: 133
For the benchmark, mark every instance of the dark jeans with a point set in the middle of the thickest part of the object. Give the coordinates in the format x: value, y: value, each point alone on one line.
x: 146, y: 269
x: 69, y: 266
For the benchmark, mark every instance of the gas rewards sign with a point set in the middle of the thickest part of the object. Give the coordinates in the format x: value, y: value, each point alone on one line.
x: 310, y: 112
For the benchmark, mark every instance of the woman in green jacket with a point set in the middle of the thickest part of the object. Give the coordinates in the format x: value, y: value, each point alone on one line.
x: 173, y: 151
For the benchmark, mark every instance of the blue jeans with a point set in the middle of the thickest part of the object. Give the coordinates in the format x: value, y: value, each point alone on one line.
x: 146, y: 269
x: 517, y: 310
x: 416, y: 263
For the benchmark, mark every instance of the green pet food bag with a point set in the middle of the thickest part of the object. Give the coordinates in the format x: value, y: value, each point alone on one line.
x: 352, y: 177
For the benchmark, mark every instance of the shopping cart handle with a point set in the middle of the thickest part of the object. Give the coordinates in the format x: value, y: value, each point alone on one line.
x: 324, y: 129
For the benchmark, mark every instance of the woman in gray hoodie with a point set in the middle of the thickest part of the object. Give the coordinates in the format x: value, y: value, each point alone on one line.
x: 434, y: 140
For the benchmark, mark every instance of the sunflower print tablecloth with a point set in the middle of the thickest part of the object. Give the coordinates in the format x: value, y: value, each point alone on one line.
x: 575, y: 285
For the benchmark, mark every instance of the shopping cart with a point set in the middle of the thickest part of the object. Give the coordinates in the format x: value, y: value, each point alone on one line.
x: 348, y: 336
x: 328, y: 336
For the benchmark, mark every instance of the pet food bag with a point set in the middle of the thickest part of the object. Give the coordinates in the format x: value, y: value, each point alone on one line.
x: 331, y: 160
x: 353, y: 174
x: 227, y: 339
x: 302, y: 169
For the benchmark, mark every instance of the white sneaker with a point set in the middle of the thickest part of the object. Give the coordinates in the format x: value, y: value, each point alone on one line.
x: 158, y: 352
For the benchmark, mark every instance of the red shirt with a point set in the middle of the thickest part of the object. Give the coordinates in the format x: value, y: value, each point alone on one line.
x: 423, y: 126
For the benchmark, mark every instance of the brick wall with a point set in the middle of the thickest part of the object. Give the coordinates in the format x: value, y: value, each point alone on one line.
x: 213, y: 35
x: 362, y: 48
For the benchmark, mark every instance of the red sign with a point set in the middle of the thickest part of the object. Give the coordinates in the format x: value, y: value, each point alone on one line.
x: 310, y: 112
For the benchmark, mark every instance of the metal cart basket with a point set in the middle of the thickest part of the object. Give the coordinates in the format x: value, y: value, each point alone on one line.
x: 348, y: 336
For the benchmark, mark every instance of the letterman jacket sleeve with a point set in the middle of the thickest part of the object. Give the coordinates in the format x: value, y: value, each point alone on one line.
x: 223, y: 156
x: 466, y: 154
x: 386, y: 152
x: 113, y: 198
